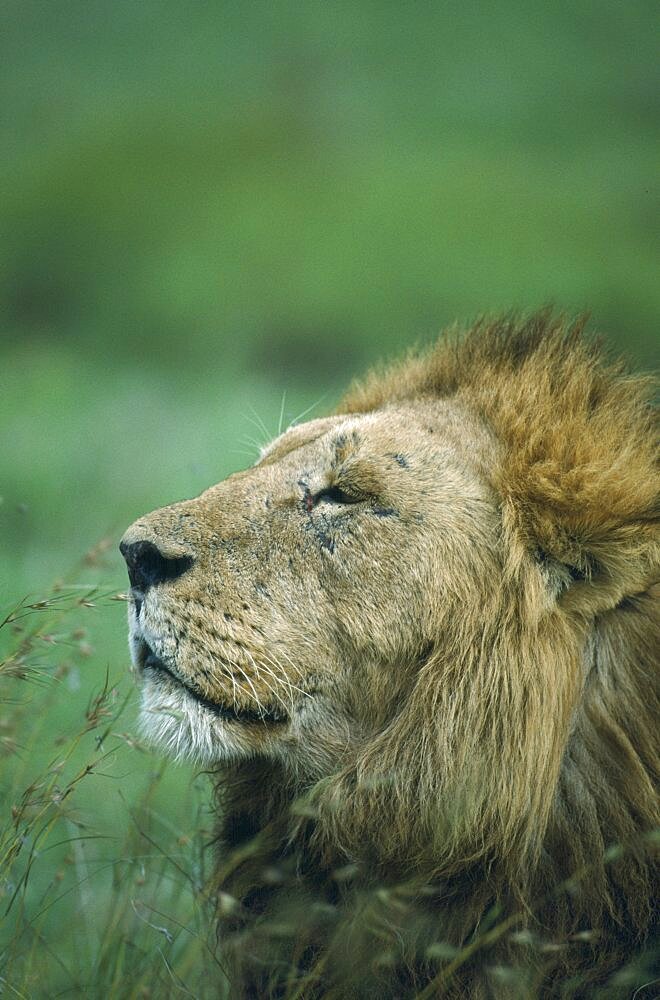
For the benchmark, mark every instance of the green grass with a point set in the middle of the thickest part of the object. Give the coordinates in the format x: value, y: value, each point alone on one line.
x: 103, y: 850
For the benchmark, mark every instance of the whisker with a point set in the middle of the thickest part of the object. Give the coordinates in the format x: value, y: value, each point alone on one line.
x: 252, y: 441
x: 308, y: 410
x: 278, y: 681
x: 293, y: 665
x: 252, y: 687
x: 242, y: 452
x: 276, y: 694
x: 233, y: 685
x: 257, y: 422
x: 279, y: 425
x: 287, y: 681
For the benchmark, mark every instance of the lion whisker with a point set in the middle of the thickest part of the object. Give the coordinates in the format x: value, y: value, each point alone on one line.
x: 287, y: 708
x: 257, y: 699
x: 259, y: 667
x: 279, y: 672
x: 294, y: 666
x: 257, y: 422
x: 280, y: 421
x: 233, y: 687
x: 285, y: 679
x: 309, y: 409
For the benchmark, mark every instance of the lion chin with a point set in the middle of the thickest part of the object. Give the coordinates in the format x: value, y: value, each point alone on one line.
x: 417, y: 644
x: 176, y: 719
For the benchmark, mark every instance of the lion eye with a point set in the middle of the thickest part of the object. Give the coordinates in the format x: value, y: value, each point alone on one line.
x: 334, y: 494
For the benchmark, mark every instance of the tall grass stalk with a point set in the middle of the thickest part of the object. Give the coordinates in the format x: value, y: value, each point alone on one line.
x: 101, y: 885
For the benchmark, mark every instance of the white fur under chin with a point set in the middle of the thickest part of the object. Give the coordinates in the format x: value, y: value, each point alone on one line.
x: 172, y: 721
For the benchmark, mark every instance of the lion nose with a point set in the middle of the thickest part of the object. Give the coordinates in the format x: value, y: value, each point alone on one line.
x: 147, y: 565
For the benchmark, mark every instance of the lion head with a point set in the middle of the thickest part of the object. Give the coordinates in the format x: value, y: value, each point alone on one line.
x: 432, y: 612
x: 288, y: 610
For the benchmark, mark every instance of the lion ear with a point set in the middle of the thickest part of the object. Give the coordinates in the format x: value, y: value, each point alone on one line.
x: 592, y: 531
x: 558, y: 576
x: 577, y: 471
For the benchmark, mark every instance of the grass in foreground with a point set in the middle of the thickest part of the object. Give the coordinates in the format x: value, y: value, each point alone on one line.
x: 102, y: 871
x: 106, y: 852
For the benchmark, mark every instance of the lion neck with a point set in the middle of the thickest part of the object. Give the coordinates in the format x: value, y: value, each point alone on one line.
x: 591, y: 833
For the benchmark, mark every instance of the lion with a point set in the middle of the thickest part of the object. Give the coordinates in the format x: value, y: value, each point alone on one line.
x: 415, y: 644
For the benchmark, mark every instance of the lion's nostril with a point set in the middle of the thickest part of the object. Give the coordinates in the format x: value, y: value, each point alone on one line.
x: 148, y: 566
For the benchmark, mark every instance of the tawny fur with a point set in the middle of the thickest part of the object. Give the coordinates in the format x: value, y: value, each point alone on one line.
x: 460, y: 795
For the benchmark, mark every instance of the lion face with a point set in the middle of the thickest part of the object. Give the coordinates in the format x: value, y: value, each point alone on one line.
x: 286, y: 610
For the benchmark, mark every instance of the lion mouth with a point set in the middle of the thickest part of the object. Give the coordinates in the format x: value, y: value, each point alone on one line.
x: 148, y: 660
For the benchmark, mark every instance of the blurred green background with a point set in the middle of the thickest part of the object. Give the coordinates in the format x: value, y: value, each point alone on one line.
x: 206, y: 205
x: 214, y: 214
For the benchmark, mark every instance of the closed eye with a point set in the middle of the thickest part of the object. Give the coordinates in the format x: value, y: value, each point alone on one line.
x: 336, y: 495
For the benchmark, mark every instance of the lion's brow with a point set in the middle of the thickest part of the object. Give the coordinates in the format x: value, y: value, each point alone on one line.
x: 344, y: 444
x: 285, y: 448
